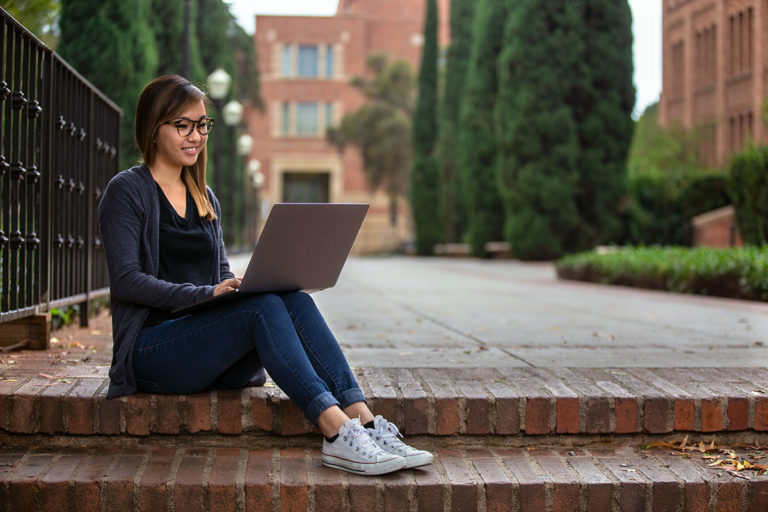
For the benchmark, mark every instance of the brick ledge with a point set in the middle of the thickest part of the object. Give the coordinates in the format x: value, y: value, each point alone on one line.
x: 426, y: 401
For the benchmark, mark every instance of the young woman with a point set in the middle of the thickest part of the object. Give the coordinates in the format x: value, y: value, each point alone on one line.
x: 161, y: 232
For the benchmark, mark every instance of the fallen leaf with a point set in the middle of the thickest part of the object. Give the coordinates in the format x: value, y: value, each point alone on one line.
x: 45, y: 375
x: 660, y: 444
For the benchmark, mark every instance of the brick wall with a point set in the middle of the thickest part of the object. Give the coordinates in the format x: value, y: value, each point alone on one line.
x: 716, y: 229
x: 714, y: 72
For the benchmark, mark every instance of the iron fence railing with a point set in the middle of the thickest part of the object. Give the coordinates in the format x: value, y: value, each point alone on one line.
x: 58, y: 149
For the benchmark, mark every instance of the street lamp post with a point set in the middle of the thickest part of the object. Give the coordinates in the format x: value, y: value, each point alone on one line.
x: 257, y: 180
x: 218, y: 87
x: 244, y: 146
x: 233, y: 114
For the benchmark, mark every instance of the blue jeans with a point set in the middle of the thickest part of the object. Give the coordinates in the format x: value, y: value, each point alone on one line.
x: 230, y: 345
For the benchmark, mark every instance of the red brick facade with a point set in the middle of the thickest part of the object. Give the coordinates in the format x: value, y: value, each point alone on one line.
x: 714, y: 72
x: 306, y: 64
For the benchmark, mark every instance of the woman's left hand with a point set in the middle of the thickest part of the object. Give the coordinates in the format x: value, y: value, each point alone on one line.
x: 228, y: 285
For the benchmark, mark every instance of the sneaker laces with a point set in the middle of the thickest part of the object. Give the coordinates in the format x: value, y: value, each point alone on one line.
x: 388, y: 433
x: 357, y: 438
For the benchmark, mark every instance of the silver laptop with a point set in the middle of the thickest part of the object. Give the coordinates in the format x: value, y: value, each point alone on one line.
x: 303, y: 246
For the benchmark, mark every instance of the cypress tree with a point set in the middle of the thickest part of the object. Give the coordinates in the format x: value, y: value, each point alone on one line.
x: 539, y: 71
x: 477, y: 148
x: 167, y: 23
x: 111, y: 44
x: 424, y: 173
x: 603, y: 113
x: 214, y: 21
x: 457, y: 63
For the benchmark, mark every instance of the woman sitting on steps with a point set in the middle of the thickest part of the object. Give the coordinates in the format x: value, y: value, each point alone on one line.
x: 163, y: 241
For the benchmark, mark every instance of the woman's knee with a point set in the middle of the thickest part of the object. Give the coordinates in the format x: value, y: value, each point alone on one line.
x: 298, y: 299
x: 263, y: 302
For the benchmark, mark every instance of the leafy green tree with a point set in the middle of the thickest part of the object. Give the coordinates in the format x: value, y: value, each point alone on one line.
x: 424, y: 173
x: 111, y: 44
x: 381, y: 128
x: 602, y: 110
x: 670, y: 151
x: 167, y: 23
x: 37, y: 16
x: 476, y: 147
x: 539, y: 70
x: 452, y: 210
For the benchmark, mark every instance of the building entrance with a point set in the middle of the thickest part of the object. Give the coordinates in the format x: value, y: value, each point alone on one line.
x: 306, y: 187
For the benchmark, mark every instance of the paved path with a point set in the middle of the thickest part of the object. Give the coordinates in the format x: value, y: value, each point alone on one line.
x: 430, y: 312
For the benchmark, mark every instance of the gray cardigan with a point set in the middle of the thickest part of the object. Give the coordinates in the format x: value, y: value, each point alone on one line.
x: 129, y: 218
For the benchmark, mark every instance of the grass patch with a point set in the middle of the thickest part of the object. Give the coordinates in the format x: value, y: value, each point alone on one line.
x: 736, y: 272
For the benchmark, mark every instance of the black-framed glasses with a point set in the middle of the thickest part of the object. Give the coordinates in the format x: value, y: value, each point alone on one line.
x: 184, y: 125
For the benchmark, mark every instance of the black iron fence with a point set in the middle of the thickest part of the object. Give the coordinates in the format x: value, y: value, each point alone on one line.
x: 58, y: 149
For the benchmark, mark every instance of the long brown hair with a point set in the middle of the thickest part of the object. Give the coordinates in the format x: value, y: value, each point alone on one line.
x: 162, y: 100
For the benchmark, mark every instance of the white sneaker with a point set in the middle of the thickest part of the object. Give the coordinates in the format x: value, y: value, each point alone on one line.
x: 355, y: 451
x: 385, y: 435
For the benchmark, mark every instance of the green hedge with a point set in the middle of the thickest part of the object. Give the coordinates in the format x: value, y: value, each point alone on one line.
x: 663, y: 205
x: 749, y: 191
x: 740, y: 272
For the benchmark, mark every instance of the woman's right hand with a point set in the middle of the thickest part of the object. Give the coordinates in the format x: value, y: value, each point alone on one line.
x: 227, y: 285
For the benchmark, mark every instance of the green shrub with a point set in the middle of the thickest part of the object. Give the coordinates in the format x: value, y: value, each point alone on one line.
x: 739, y: 272
x: 664, y: 204
x: 61, y: 317
x: 749, y: 192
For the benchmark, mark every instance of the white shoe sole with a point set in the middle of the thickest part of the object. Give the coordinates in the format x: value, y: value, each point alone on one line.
x: 415, y: 461
x: 363, y: 468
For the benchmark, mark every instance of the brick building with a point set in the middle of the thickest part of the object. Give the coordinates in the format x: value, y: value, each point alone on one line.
x: 714, y: 72
x: 306, y: 64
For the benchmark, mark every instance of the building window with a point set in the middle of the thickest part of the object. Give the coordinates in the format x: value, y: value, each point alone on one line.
x: 742, y: 126
x: 705, y: 56
x: 740, y: 35
x: 307, y: 64
x: 328, y: 115
x: 307, y: 61
x: 287, y: 60
x: 285, y: 118
x: 678, y: 77
x: 303, y: 119
x: 329, y: 60
x: 306, y: 119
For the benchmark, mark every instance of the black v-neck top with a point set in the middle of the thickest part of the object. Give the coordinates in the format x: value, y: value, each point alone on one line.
x: 186, y: 249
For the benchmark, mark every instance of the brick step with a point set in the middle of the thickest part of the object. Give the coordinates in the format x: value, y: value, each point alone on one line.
x: 422, y: 401
x: 461, y: 479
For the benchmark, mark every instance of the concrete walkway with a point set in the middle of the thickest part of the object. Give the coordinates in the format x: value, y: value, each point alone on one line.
x: 427, y: 312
